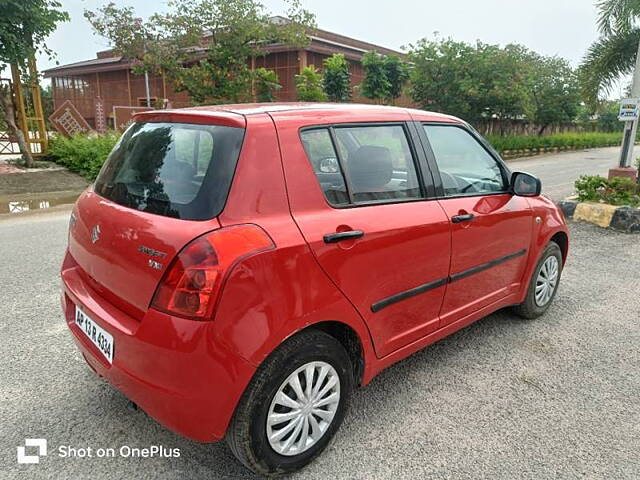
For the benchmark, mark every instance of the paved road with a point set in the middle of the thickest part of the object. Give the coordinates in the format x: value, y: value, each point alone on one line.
x: 559, y: 171
x: 502, y: 399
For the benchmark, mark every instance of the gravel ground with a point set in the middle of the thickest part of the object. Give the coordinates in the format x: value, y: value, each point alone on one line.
x: 504, y: 398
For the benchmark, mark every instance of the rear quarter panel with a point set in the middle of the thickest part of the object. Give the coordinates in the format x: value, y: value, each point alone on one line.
x: 271, y: 296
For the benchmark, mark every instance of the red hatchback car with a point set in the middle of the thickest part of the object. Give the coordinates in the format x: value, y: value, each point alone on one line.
x: 237, y: 270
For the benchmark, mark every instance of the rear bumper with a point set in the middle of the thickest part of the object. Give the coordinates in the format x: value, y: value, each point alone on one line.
x: 172, y: 368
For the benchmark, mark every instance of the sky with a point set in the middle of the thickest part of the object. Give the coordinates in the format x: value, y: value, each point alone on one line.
x: 550, y: 27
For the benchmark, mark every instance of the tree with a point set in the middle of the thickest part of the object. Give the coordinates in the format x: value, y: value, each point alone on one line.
x: 481, y: 82
x: 475, y: 82
x: 439, y: 77
x: 375, y: 85
x: 336, y: 78
x: 614, y: 53
x: 397, y: 74
x: 501, y: 78
x: 203, y: 46
x: 24, y: 28
x: 603, y: 119
x: 309, y: 85
x: 607, y: 117
x: 266, y: 84
x: 553, y: 91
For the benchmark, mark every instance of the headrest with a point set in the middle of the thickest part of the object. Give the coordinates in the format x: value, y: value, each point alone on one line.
x: 370, y: 168
x: 180, y: 171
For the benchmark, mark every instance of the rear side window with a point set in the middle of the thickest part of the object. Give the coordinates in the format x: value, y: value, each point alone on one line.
x: 172, y: 169
x: 375, y: 164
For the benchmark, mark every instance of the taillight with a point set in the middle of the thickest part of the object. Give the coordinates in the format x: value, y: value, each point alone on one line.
x: 190, y: 285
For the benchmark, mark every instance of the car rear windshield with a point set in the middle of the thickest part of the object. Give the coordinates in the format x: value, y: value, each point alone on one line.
x: 176, y: 170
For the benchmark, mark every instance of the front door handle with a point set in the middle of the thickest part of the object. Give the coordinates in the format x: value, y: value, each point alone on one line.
x: 340, y: 236
x: 467, y: 217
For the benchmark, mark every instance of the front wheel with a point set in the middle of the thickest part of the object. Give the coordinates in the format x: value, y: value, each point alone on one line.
x: 293, y: 406
x: 543, y: 284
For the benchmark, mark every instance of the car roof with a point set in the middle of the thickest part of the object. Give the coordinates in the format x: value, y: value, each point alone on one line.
x: 300, y: 109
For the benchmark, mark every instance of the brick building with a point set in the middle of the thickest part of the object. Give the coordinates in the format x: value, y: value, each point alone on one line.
x: 109, y: 77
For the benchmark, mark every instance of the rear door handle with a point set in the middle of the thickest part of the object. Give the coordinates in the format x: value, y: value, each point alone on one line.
x: 339, y: 236
x: 467, y: 217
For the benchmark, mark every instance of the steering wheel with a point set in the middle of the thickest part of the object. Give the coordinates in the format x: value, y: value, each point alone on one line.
x: 469, y: 187
x: 449, y: 182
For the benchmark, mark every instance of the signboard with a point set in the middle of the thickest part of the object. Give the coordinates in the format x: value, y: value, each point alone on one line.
x: 68, y: 121
x: 101, y: 119
x: 122, y: 116
x: 628, y: 109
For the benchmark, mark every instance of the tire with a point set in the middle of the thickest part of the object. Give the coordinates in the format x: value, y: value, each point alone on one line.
x: 247, y: 432
x: 531, y: 308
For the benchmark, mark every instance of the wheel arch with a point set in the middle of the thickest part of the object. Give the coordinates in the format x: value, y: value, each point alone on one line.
x: 562, y: 239
x: 349, y: 339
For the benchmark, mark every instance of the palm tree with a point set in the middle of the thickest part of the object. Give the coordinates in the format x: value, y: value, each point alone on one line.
x: 614, y: 53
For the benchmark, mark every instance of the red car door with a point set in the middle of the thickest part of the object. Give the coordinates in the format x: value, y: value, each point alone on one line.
x: 362, y: 206
x: 491, y: 229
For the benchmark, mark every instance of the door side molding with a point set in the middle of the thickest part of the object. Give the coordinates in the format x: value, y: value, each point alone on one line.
x: 398, y: 297
x: 485, y: 266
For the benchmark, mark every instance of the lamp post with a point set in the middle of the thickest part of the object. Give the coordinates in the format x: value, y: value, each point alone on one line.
x: 139, y: 23
x: 146, y: 86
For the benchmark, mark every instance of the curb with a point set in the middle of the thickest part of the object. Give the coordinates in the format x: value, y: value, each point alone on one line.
x: 30, y: 214
x: 623, y: 219
x: 534, y: 152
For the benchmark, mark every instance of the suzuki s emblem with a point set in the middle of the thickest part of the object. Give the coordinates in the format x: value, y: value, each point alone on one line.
x: 95, y: 234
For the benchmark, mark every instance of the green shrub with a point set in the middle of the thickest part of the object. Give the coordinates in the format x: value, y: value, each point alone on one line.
x: 559, y: 140
x: 336, y: 78
x: 617, y: 191
x: 588, y: 187
x: 309, y: 85
x: 83, y: 154
x: 266, y: 82
x: 622, y: 191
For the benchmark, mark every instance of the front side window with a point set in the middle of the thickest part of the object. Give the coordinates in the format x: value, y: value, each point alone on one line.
x: 466, y: 168
x: 375, y: 164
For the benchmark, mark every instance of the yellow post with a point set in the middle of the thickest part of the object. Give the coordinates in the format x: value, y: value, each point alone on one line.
x: 40, y: 136
x: 19, y: 96
x: 38, y: 111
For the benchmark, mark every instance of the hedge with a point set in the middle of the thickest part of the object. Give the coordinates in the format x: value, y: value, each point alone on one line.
x: 83, y: 154
x: 515, y: 145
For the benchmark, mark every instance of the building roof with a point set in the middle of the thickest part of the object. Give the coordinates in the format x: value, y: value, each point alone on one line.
x: 88, y: 66
x: 321, y: 41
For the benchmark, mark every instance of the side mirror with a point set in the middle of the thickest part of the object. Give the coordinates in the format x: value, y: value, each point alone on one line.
x: 525, y: 185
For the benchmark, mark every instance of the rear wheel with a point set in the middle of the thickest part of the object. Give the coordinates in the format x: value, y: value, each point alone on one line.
x: 293, y: 406
x: 543, y: 284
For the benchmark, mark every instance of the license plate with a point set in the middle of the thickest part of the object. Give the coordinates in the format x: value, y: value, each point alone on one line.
x: 98, y: 336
